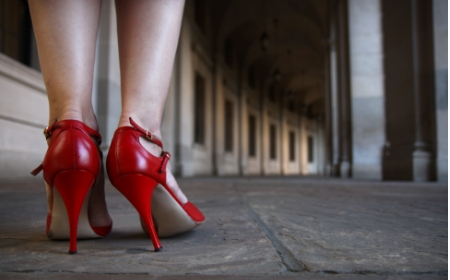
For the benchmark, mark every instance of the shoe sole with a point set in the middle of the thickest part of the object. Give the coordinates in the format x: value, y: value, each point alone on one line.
x: 169, y: 216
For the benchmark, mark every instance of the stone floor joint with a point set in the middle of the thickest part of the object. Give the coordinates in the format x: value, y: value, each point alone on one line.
x: 382, y: 273
x: 287, y: 258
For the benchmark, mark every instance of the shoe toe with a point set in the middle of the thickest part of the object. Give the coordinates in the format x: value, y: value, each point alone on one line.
x: 193, y: 212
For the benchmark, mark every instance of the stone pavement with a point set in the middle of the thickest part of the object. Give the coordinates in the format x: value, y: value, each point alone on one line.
x: 256, y: 228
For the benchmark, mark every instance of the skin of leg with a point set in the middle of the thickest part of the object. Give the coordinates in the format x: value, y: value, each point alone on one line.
x: 148, y: 33
x: 66, y: 34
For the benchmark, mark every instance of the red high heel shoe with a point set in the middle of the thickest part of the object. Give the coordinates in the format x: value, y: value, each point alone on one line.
x: 141, y: 178
x: 71, y: 166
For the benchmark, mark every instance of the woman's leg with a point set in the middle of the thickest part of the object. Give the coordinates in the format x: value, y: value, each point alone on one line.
x: 66, y: 35
x: 148, y: 34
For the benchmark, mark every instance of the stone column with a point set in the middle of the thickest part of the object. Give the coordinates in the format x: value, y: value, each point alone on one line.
x: 440, y: 30
x: 321, y: 149
x: 215, y: 85
x: 262, y: 138
x: 328, y: 113
x: 367, y: 87
x: 335, y: 108
x: 422, y: 67
x: 184, y: 105
x: 344, y: 89
x: 242, y: 159
x: 300, y: 142
x: 106, y: 88
x: 282, y: 134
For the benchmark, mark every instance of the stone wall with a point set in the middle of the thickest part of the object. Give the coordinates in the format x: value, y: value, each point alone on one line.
x: 23, y: 117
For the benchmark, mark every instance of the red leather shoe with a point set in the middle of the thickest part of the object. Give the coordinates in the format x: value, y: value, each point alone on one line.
x: 71, y: 167
x: 141, y: 178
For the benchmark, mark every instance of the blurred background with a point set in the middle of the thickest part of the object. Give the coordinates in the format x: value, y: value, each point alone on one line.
x: 338, y: 88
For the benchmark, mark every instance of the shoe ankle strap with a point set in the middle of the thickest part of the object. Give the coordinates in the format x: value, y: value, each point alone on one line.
x: 49, y: 129
x: 73, y: 123
x: 148, y: 135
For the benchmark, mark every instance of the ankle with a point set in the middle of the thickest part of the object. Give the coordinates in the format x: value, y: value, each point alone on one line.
x: 88, y: 119
x: 150, y: 125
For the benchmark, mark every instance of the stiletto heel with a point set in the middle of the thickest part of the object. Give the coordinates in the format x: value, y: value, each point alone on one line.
x: 71, y: 166
x: 138, y: 190
x: 73, y: 187
x: 145, y: 184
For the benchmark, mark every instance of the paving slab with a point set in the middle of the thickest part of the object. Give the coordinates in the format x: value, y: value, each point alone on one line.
x: 358, y: 227
x: 214, y: 277
x: 256, y: 228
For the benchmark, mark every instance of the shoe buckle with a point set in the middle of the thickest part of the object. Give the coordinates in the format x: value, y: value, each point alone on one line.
x: 148, y: 135
x: 166, y: 154
x: 47, y: 132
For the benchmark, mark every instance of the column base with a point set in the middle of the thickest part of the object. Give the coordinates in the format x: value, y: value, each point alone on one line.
x: 336, y: 171
x: 328, y: 171
x: 422, y: 166
x: 178, y: 170
x: 345, y: 169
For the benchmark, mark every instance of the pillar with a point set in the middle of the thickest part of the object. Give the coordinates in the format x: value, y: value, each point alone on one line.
x: 367, y: 88
x: 215, y: 86
x: 301, y: 142
x: 282, y: 135
x: 106, y: 90
x: 241, y: 152
x: 422, y: 89
x: 328, y: 113
x: 335, y: 108
x: 440, y: 33
x: 262, y: 139
x: 344, y: 90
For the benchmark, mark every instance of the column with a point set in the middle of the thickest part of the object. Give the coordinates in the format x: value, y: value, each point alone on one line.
x: 241, y: 97
x: 335, y: 108
x: 300, y: 142
x: 215, y: 85
x: 184, y: 105
x: 422, y: 67
x: 344, y: 89
x: 328, y: 113
x: 440, y: 30
x: 262, y: 138
x: 303, y: 139
x: 282, y: 135
x: 320, y: 146
x: 367, y: 88
x: 106, y: 88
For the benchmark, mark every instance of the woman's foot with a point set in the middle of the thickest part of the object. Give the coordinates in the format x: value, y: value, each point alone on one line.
x: 97, y: 210
x: 170, y: 179
x: 136, y: 157
x: 156, y: 151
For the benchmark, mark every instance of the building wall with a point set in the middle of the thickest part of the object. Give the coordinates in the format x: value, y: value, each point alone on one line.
x: 23, y: 117
x: 252, y: 165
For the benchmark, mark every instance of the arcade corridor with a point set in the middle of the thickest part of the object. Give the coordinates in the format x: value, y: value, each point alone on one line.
x: 342, y: 88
